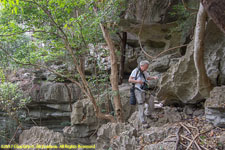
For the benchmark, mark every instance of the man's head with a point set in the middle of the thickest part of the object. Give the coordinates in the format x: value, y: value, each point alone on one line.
x: 144, y: 65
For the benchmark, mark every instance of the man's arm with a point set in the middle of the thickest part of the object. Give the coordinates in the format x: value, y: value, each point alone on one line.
x: 132, y: 80
x: 152, y: 78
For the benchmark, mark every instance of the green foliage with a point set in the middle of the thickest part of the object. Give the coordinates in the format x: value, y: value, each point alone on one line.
x: 2, y: 76
x: 184, y: 18
x: 41, y: 31
x: 12, y: 98
x: 44, y: 26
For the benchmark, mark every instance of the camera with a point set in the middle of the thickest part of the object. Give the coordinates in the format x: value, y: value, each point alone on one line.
x: 145, y: 86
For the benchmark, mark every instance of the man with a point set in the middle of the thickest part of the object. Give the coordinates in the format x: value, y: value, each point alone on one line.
x: 138, y: 77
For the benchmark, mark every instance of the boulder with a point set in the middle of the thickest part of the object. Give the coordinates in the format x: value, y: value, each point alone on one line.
x: 160, y: 137
x: 160, y: 64
x: 154, y: 37
x: 155, y: 134
x: 50, y: 92
x: 80, y: 134
x: 37, y: 136
x: 167, y: 144
x: 179, y: 83
x: 214, y: 54
x: 116, y: 136
x: 51, y: 104
x: 156, y: 10
x: 83, y: 110
x: 83, y: 113
x: 215, y: 107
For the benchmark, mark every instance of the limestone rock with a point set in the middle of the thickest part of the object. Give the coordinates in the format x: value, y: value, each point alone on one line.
x: 83, y: 113
x: 215, y: 107
x: 179, y: 83
x: 80, y: 134
x: 164, y: 145
x: 41, y: 136
x: 172, y: 115
x: 156, y: 10
x: 214, y: 54
x: 57, y: 93
x: 116, y: 136
x: 160, y: 64
x: 155, y: 134
x: 155, y: 37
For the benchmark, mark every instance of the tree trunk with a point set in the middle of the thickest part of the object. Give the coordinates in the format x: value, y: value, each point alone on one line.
x: 122, y: 58
x: 215, y: 9
x: 86, y: 88
x: 203, y: 83
x: 82, y: 63
x: 114, y: 74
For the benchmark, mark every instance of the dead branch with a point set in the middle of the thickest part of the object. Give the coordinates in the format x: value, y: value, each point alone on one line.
x: 193, y: 140
x: 199, y: 148
x: 178, y: 138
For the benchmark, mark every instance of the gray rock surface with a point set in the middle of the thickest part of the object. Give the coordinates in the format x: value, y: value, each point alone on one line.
x: 215, y: 107
x: 80, y: 134
x: 178, y: 84
x: 215, y: 54
x: 83, y: 113
x: 155, y: 134
x: 40, y: 136
x: 116, y: 136
x: 54, y: 93
x: 156, y: 10
x: 167, y: 144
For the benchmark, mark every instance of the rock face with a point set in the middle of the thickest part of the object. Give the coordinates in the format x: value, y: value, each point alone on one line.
x: 215, y: 54
x: 215, y: 107
x: 80, y: 134
x: 124, y: 136
x: 41, y: 136
x: 155, y: 134
x: 156, y: 10
x: 51, y: 101
x: 179, y: 82
x: 85, y: 123
x: 83, y: 113
x: 108, y: 136
x: 55, y: 93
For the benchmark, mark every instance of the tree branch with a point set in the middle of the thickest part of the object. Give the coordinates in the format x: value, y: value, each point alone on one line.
x: 187, y: 8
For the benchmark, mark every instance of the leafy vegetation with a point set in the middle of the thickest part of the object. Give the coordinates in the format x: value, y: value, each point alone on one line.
x: 36, y: 32
x: 184, y: 18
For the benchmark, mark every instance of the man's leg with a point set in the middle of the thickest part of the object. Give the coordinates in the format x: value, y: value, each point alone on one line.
x: 140, y: 101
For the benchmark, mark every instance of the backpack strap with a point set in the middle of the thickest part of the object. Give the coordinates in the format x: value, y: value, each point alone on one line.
x: 136, y: 75
x: 143, y: 75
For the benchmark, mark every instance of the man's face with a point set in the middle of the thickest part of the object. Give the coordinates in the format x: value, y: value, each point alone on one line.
x: 144, y: 67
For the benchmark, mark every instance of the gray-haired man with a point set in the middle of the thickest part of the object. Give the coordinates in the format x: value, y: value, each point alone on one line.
x: 142, y: 76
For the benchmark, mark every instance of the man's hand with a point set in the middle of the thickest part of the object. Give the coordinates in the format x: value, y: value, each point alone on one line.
x: 155, y: 77
x: 139, y: 81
